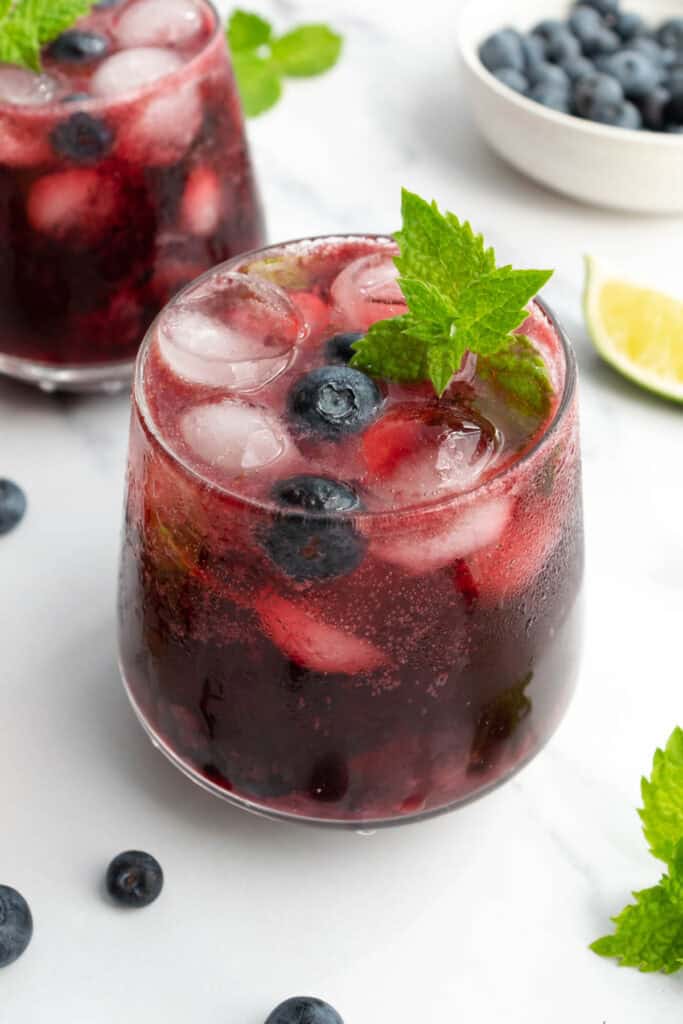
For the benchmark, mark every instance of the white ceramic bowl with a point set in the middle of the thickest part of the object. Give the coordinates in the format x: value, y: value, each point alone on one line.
x: 629, y: 170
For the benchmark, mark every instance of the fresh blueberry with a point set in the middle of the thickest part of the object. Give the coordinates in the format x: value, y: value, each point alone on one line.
x: 674, y: 129
x: 580, y: 67
x: 16, y: 925
x: 670, y: 34
x: 134, y: 879
x: 12, y: 506
x: 603, y: 7
x: 551, y: 96
x: 596, y: 89
x: 502, y: 50
x: 674, y: 108
x: 628, y: 25
x: 674, y: 80
x: 585, y: 21
x: 82, y: 138
x: 550, y: 75
x: 513, y: 79
x: 604, y: 41
x: 304, y: 1010
x: 339, y: 348
x: 305, y: 543
x: 617, y: 115
x: 549, y: 28
x: 635, y: 73
x: 333, y: 401
x: 78, y: 47
x: 563, y: 46
x: 533, y: 48
x: 330, y: 779
x: 653, y: 108
x: 653, y: 51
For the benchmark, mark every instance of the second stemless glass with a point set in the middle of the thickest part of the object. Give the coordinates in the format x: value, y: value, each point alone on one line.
x: 428, y: 673
x: 109, y: 204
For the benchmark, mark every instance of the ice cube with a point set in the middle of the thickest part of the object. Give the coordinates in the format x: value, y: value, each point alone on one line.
x: 159, y: 23
x: 367, y: 291
x: 431, y: 546
x: 238, y: 334
x: 235, y: 438
x: 201, y: 205
x: 26, y: 88
x: 80, y: 204
x: 159, y: 128
x: 304, y: 637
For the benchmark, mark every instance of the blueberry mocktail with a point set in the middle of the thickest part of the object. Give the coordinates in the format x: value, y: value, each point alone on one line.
x: 343, y: 598
x: 124, y: 174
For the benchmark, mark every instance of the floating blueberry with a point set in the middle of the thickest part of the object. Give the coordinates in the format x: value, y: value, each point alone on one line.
x: 596, y: 89
x: 551, y: 96
x: 653, y: 108
x: 12, y: 506
x: 503, y: 49
x: 304, y: 1010
x: 329, y: 779
x: 670, y: 34
x: 82, y: 138
x: 513, y: 79
x: 314, y: 547
x: 628, y: 25
x: 550, y: 75
x: 339, y: 348
x: 134, y: 879
x: 78, y: 47
x: 16, y: 925
x: 333, y: 401
x: 563, y: 46
x: 636, y: 74
x: 578, y: 68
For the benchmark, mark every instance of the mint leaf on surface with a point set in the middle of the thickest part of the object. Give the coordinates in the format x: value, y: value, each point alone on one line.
x: 259, y: 83
x: 261, y: 59
x: 662, y: 813
x: 518, y: 372
x: 649, y: 932
x: 28, y: 25
x: 247, y: 31
x: 307, y: 50
x: 458, y: 300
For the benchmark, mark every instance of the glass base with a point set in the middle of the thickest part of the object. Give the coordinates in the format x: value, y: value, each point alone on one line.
x: 363, y: 827
x: 107, y: 378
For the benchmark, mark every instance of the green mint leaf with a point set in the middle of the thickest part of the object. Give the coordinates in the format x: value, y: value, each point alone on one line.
x: 439, y: 249
x: 258, y: 81
x: 458, y: 301
x: 307, y: 50
x: 247, y: 31
x: 662, y: 813
x: 649, y: 932
x: 518, y: 372
x: 28, y: 25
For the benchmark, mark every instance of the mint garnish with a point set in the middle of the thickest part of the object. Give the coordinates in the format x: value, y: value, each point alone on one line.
x: 517, y: 371
x: 649, y: 932
x: 28, y: 25
x: 261, y: 59
x: 458, y: 301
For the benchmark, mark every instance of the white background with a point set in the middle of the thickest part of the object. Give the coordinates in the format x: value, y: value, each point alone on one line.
x: 481, y: 916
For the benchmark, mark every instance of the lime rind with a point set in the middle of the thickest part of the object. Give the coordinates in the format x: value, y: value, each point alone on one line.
x: 666, y: 386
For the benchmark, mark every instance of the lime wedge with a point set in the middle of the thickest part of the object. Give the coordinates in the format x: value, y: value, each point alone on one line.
x: 637, y: 330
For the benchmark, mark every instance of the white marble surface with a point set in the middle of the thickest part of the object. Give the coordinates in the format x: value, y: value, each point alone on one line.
x: 484, y: 915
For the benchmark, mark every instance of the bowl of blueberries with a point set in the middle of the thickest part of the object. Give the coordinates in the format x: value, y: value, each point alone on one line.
x: 585, y: 97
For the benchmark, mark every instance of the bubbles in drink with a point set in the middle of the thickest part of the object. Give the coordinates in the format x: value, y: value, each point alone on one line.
x: 367, y: 291
x: 238, y: 334
x: 234, y: 438
x: 159, y: 23
x: 27, y: 89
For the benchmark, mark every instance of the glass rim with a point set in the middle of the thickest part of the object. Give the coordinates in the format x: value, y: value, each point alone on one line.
x: 446, y: 502
x: 18, y: 111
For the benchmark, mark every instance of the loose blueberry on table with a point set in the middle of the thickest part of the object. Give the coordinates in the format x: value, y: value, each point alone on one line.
x: 304, y: 1010
x: 16, y: 925
x: 12, y: 506
x: 602, y: 63
x: 134, y: 879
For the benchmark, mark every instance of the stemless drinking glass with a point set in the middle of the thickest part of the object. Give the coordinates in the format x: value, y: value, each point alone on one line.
x: 124, y: 174
x: 342, y: 601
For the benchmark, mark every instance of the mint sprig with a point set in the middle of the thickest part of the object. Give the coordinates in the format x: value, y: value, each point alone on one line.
x: 649, y: 932
x: 261, y: 59
x: 26, y: 26
x: 458, y: 301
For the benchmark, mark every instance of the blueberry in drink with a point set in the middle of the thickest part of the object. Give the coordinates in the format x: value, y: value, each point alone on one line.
x: 124, y: 174
x: 351, y: 570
